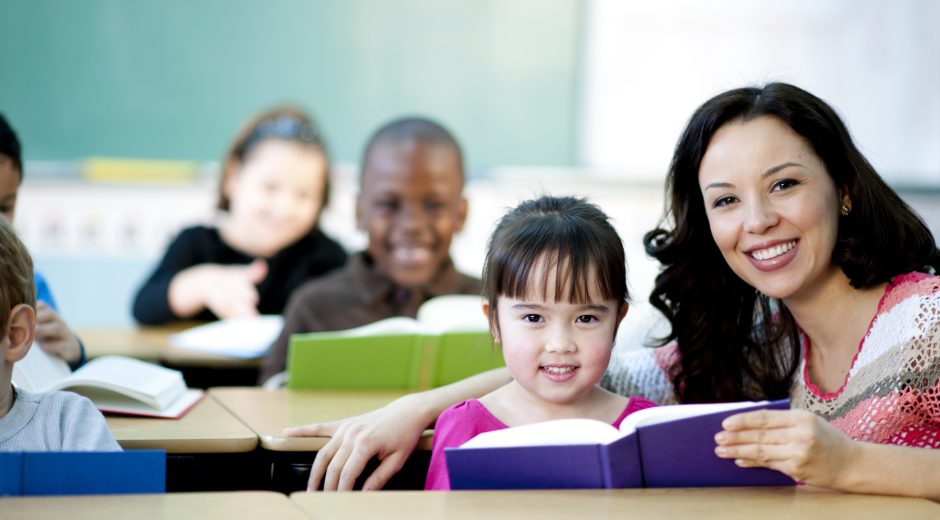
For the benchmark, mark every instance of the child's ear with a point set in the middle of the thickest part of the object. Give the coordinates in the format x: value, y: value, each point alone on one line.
x: 622, y: 313
x: 494, y: 331
x: 360, y: 213
x: 229, y: 175
x: 462, y: 208
x: 20, y: 333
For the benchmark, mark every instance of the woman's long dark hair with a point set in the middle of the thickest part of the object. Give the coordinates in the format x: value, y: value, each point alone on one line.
x: 735, y: 343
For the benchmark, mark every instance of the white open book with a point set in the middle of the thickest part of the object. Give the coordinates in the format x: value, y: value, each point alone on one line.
x: 239, y: 338
x: 439, y: 315
x: 114, y: 384
x: 560, y: 432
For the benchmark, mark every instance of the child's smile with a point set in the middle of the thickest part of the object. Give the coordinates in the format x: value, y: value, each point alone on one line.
x: 411, y: 205
x: 559, y: 373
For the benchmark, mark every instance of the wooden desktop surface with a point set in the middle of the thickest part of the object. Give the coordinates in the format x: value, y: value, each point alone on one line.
x: 268, y: 412
x: 153, y: 344
x: 207, y: 428
x: 698, y: 504
x: 247, y: 505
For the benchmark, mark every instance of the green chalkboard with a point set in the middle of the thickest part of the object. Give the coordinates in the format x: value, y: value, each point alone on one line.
x: 173, y: 79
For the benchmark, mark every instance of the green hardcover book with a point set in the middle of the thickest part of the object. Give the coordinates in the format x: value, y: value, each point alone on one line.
x: 462, y: 354
x: 448, y: 341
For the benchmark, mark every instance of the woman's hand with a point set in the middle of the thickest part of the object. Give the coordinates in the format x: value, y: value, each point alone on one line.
x: 54, y: 336
x: 389, y: 433
x: 795, y: 442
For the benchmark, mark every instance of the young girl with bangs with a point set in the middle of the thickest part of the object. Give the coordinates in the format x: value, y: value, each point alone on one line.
x: 555, y: 291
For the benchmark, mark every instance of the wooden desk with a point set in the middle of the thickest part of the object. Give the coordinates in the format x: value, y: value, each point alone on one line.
x: 208, y: 449
x: 207, y: 428
x: 247, y: 505
x: 153, y: 343
x: 268, y: 412
x: 200, y: 369
x: 699, y: 504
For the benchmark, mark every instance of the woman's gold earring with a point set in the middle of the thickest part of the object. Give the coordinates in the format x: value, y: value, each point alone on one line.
x: 845, y: 209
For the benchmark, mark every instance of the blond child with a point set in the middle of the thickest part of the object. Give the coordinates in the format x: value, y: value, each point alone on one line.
x: 59, y: 421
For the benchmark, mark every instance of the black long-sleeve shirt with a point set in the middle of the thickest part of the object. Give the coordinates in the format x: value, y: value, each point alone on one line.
x: 313, y: 255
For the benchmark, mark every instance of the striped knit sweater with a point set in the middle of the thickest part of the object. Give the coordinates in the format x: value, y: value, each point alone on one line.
x: 891, y: 394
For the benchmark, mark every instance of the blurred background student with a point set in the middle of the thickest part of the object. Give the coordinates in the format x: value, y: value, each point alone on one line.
x: 410, y: 204
x: 52, y: 333
x: 273, y: 187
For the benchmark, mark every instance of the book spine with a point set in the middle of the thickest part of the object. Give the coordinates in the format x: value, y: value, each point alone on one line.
x: 621, y: 463
x: 11, y: 474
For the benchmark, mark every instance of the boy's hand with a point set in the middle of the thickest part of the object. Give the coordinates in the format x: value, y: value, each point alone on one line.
x: 54, y: 336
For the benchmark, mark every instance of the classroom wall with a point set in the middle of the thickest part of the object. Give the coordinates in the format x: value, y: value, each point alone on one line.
x: 96, y: 242
x: 173, y: 79
x: 559, y: 96
x: 650, y: 63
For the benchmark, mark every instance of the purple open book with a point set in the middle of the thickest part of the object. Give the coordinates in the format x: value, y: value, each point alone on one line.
x: 666, y: 446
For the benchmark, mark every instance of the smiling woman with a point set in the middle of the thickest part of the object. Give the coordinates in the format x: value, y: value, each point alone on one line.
x: 798, y: 226
x: 806, y: 282
x: 772, y: 208
x: 790, y: 270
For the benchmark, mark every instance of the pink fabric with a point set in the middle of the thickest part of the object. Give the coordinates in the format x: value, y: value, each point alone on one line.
x: 891, y: 394
x: 464, y: 421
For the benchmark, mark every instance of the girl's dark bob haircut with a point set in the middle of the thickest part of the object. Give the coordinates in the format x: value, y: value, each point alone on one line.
x: 564, y: 232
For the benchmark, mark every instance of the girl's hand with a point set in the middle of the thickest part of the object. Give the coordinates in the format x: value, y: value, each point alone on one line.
x: 795, y: 442
x: 389, y: 433
x: 228, y: 291
x: 54, y: 336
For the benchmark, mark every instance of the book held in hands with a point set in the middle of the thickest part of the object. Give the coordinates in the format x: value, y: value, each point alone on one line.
x: 115, y: 384
x: 666, y: 446
x: 449, y: 340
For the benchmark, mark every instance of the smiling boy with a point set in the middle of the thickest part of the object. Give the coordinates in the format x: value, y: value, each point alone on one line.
x: 410, y: 204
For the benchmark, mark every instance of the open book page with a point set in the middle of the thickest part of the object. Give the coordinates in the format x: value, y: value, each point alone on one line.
x: 394, y: 325
x: 548, y: 433
x: 589, y: 431
x: 39, y: 371
x: 113, y: 402
x: 662, y: 414
x: 450, y: 313
x: 453, y: 313
x: 150, y: 384
x: 240, y: 338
